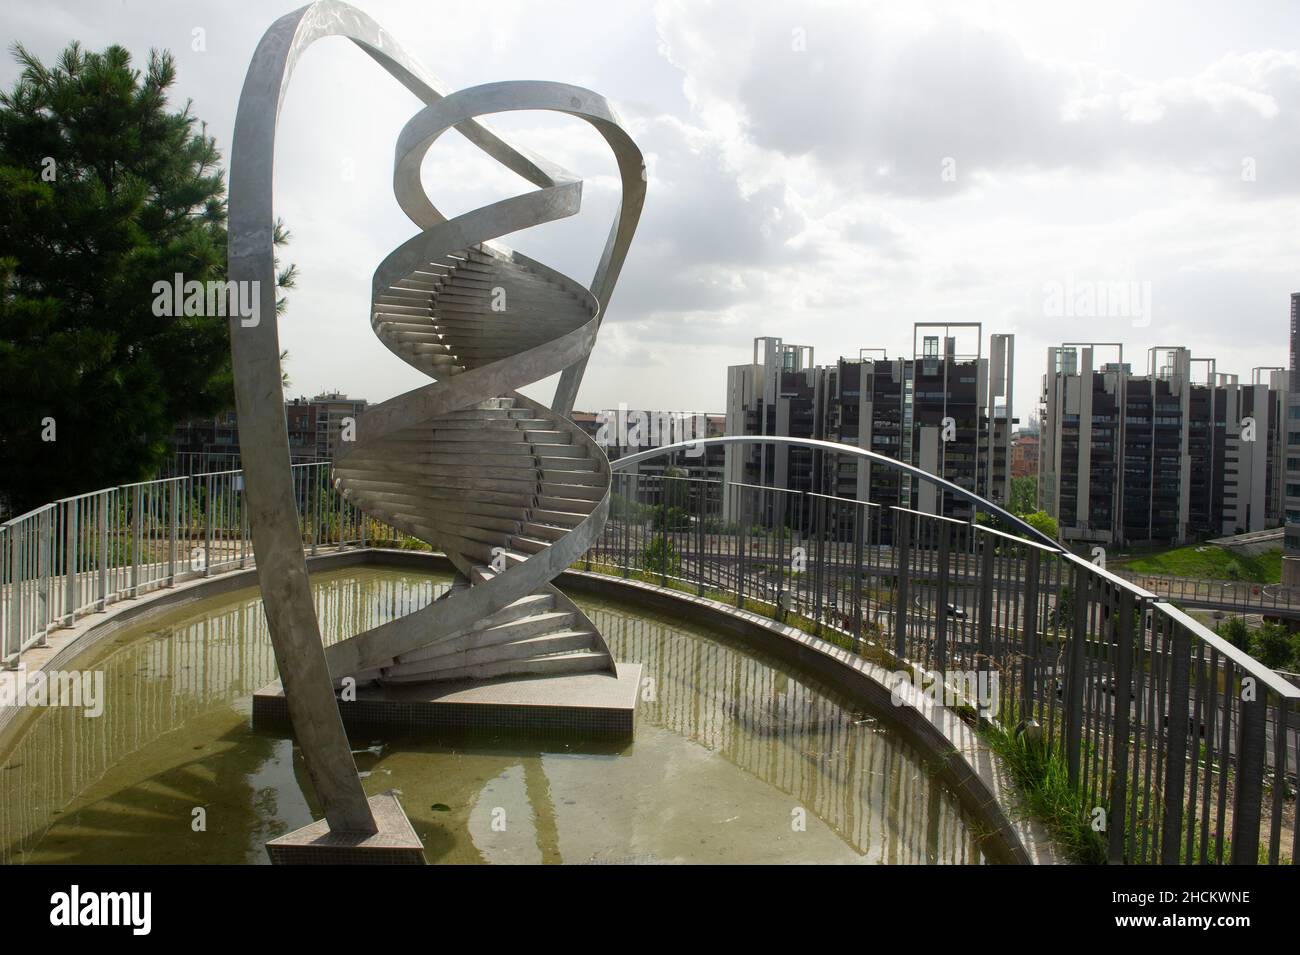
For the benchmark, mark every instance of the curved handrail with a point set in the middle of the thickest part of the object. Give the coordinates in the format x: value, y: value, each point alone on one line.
x: 875, y: 457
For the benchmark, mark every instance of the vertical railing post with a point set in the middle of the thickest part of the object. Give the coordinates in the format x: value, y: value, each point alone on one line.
x: 342, y: 506
x: 1175, y: 768
x: 663, y: 530
x: 173, y: 529
x: 363, y: 537
x: 902, y: 547
x: 819, y: 568
x: 102, y: 500
x: 72, y: 594
x: 207, y: 528
x: 701, y: 538
x: 1074, y: 676
x: 941, y: 596
x: 1248, y: 799
x: 988, y: 549
x: 1129, y: 637
x: 984, y: 628
x: 778, y: 526
x: 13, y: 638
x: 136, y: 534
x: 631, y: 509
x: 860, y: 517
x: 310, y: 481
x: 45, y: 570
x: 1029, y: 639
x: 241, y: 501
x: 742, y: 545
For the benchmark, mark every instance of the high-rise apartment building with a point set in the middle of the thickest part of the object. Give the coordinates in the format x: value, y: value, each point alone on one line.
x: 1179, y: 453
x: 1291, y: 482
x: 944, y: 410
x: 773, y: 395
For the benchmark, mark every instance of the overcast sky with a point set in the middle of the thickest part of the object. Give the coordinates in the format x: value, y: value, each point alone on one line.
x: 827, y: 173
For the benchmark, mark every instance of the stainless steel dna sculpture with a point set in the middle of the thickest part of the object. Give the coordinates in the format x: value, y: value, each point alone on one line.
x: 511, y: 490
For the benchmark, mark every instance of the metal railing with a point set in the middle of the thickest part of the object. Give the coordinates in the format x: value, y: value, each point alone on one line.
x: 190, y: 463
x: 1187, y: 745
x: 1226, y: 594
x: 79, y: 554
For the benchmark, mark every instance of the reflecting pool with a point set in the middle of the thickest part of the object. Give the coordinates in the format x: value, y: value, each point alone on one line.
x: 737, y: 759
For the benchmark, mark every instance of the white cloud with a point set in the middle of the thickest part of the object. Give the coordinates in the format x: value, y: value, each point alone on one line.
x: 799, y: 192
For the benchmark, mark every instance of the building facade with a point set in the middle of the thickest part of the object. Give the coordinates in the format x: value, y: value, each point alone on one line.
x: 1177, y: 454
x: 1024, y: 454
x: 205, y: 444
x: 1291, y: 481
x: 333, y: 411
x: 622, y: 431
x: 315, y: 427
x: 944, y: 410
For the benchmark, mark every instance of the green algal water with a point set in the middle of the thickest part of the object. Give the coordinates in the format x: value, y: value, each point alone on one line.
x: 736, y: 758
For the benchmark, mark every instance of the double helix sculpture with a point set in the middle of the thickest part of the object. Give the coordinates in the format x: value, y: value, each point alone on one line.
x: 511, y: 490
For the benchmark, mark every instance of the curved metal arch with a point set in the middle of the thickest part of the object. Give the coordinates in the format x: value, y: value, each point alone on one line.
x: 259, y: 396
x: 874, y: 457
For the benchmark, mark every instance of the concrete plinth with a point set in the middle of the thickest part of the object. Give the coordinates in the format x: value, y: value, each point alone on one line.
x: 394, y: 844
x: 582, y: 704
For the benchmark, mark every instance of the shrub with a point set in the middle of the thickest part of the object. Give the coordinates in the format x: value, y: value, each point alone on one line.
x: 661, y: 557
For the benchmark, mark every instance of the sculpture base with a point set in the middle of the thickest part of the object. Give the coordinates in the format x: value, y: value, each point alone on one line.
x: 394, y: 844
x: 586, y: 705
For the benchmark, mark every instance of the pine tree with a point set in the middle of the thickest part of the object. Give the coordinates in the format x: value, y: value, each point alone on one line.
x: 106, y: 190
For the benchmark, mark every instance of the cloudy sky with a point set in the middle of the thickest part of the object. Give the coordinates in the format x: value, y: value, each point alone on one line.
x: 828, y: 173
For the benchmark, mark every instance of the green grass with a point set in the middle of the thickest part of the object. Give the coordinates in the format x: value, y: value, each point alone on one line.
x: 1041, y: 776
x: 1206, y: 561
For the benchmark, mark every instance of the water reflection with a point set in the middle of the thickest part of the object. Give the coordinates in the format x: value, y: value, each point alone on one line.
x: 845, y: 766
x: 730, y: 747
x: 193, y: 671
